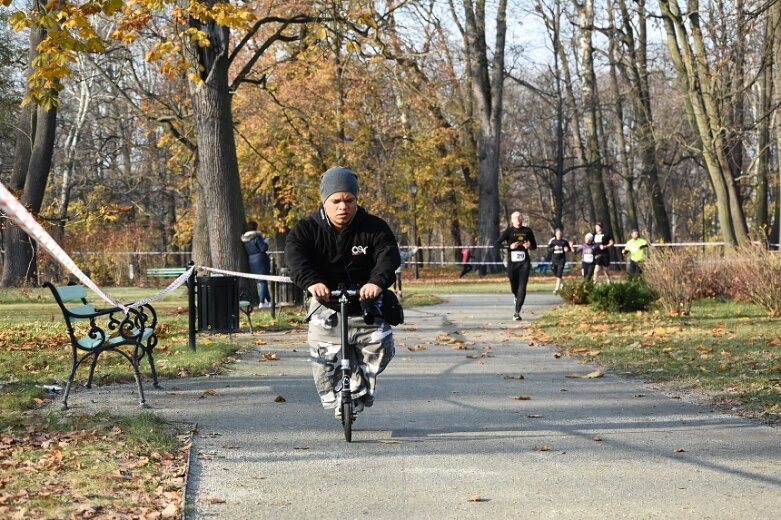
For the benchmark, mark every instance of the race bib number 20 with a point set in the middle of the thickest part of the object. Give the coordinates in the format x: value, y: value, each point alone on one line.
x: 517, y: 256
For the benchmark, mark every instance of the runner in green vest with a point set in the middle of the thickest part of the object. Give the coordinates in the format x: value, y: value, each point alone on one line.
x: 637, y: 248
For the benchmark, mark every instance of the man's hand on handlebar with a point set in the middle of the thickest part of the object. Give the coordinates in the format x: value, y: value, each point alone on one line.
x: 369, y: 291
x: 321, y: 292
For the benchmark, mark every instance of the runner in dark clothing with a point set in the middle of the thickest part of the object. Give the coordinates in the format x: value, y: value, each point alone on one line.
x: 520, y: 240
x: 557, y: 248
x: 604, y: 243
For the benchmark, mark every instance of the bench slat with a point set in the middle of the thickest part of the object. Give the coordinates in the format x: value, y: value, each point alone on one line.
x: 82, y: 311
x: 69, y: 293
x: 165, y: 271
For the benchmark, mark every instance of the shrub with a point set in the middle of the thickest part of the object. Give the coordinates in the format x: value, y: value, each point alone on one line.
x: 629, y: 296
x: 708, y: 276
x: 674, y: 276
x: 575, y: 292
x: 755, y: 275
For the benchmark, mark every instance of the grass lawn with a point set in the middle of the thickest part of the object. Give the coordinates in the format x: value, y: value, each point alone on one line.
x: 728, y: 352
x: 63, y: 465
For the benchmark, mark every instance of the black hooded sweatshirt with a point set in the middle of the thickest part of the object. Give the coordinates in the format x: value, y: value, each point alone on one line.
x: 365, y: 252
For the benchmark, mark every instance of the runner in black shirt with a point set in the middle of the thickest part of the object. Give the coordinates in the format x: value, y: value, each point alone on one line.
x: 604, y: 243
x: 520, y: 240
x: 558, y: 247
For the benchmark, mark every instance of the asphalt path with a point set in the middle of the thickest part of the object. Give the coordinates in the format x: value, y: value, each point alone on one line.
x: 473, y: 419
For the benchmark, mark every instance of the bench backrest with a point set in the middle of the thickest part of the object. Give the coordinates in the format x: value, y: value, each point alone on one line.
x: 165, y: 271
x: 65, y: 294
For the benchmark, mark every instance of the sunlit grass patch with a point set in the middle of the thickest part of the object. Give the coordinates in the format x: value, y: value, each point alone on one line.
x: 730, y: 351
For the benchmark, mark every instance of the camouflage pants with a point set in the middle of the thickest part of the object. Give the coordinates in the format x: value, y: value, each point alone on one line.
x: 371, y: 349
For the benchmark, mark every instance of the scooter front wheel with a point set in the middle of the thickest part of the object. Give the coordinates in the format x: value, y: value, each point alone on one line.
x: 347, y: 420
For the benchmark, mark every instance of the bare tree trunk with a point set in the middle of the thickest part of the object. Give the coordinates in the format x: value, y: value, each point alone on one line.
x: 590, y: 113
x: 70, y: 151
x: 689, y: 55
x: 636, y: 72
x: 775, y: 16
x: 763, y: 138
x: 217, y: 170
x: 625, y: 169
x: 20, y: 264
x: 487, y: 83
x: 200, y: 246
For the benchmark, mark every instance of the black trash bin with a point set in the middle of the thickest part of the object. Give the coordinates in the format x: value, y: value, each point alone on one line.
x: 289, y: 293
x: 218, y: 303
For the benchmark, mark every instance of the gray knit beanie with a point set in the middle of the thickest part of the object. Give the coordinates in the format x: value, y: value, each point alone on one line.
x: 337, y: 179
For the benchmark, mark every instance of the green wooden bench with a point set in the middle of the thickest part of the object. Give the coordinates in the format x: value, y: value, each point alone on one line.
x: 165, y: 272
x: 132, y: 335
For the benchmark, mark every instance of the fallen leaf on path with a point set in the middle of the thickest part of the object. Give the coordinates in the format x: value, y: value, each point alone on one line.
x: 170, y: 511
x: 475, y: 498
x: 511, y: 376
x: 679, y: 450
x: 260, y: 342
x: 279, y: 399
x: 596, y: 438
x: 268, y: 356
x: 544, y: 447
x: 416, y: 347
x: 591, y: 375
x: 208, y: 393
x: 521, y: 397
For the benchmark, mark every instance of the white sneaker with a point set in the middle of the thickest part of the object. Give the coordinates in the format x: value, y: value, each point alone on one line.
x: 357, y: 408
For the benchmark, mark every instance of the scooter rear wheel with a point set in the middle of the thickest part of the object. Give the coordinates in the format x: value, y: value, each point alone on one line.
x: 347, y: 420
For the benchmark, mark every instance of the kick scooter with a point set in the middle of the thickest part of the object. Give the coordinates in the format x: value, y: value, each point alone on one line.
x: 344, y: 296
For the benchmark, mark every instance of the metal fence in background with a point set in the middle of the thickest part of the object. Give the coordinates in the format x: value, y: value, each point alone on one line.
x: 130, y: 267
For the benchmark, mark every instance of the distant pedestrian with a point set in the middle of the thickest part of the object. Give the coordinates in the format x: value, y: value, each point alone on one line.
x: 466, y: 256
x: 520, y: 241
x: 604, y: 243
x: 637, y: 248
x: 259, y: 263
x: 557, y: 249
x: 587, y: 255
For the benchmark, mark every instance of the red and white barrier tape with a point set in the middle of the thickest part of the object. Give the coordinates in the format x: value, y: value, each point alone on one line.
x: 19, y: 214
x: 24, y: 219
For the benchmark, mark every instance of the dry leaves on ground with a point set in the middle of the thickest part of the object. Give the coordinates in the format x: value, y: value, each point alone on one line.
x: 591, y: 375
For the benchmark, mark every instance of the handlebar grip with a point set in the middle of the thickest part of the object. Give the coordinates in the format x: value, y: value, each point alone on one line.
x: 337, y: 293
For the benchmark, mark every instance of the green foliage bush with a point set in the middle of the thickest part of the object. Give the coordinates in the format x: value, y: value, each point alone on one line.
x: 629, y: 296
x: 575, y: 292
